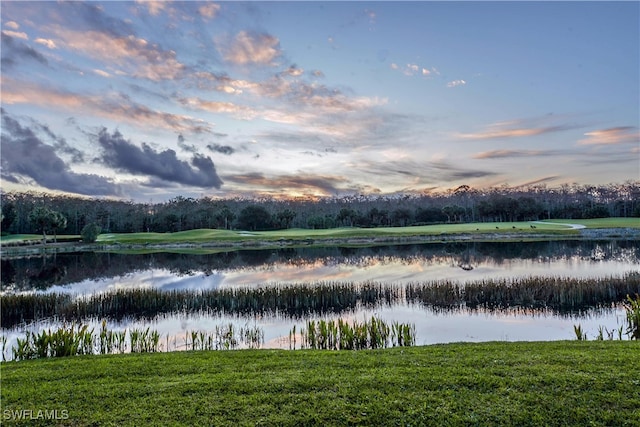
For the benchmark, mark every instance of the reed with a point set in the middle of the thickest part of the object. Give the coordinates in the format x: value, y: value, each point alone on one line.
x: 561, y: 295
x: 252, y: 336
x: 580, y: 334
x: 403, y: 335
x: 79, y: 339
x: 632, y: 308
x: 3, y: 344
x: 64, y: 341
x: 370, y: 334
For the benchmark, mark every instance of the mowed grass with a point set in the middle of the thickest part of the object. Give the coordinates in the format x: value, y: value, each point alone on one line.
x: 211, y: 235
x: 602, y: 222
x: 202, y: 236
x: 16, y: 238
x: 524, y: 384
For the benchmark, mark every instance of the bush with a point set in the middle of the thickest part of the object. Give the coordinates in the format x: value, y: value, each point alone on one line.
x: 90, y: 232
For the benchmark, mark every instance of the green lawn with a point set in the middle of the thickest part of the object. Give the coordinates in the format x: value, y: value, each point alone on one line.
x: 554, y: 226
x: 602, y: 222
x: 525, y: 384
x: 208, y: 235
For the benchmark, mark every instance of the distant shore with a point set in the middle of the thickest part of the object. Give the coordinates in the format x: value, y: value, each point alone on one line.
x: 256, y: 241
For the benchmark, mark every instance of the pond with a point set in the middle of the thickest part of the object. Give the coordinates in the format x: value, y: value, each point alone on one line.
x: 390, y: 272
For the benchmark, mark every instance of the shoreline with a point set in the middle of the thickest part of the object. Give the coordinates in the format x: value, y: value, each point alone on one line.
x: 19, y: 251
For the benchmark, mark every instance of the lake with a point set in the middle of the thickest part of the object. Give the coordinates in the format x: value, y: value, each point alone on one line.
x: 87, y: 275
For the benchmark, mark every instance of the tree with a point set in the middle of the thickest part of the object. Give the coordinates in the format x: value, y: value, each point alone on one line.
x: 224, y: 217
x: 284, y: 218
x: 42, y: 219
x: 58, y: 222
x: 347, y: 216
x: 90, y: 232
x: 8, y: 215
x: 401, y: 217
x: 255, y: 218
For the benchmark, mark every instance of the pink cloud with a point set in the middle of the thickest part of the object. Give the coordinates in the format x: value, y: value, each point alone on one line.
x: 616, y: 135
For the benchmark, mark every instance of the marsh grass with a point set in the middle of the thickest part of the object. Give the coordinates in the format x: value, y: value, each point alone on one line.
x: 225, y: 337
x: 632, y: 308
x: 78, y: 339
x: 560, y: 295
x: 61, y: 342
x: 368, y: 335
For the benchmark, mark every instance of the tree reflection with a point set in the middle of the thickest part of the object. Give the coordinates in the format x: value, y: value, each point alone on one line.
x: 31, y: 273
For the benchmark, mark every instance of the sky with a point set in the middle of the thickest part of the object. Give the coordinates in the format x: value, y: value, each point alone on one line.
x: 150, y: 100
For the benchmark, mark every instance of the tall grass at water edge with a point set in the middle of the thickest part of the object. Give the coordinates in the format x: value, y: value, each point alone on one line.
x: 74, y: 340
x: 559, y: 294
x: 632, y: 307
x: 632, y: 311
x: 342, y: 335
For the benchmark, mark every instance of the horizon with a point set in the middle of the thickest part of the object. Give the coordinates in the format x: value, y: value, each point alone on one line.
x: 153, y: 100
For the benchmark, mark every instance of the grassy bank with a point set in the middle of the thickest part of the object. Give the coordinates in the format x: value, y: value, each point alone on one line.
x: 206, y: 235
x: 212, y: 240
x: 552, y: 383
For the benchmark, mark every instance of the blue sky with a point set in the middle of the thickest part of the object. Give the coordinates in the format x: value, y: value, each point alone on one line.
x: 150, y: 100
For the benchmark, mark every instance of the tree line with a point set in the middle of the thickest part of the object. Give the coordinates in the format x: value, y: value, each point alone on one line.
x: 28, y: 212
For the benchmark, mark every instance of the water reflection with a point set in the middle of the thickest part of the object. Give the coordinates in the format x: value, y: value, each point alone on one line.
x: 95, y: 272
x: 432, y: 326
x: 87, y: 275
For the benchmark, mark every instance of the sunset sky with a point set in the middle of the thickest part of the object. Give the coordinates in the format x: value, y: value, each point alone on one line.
x: 150, y: 100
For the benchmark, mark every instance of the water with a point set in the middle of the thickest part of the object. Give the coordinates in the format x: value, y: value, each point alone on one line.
x: 85, y: 274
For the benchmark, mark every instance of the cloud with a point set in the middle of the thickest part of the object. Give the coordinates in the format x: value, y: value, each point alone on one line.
x: 16, y: 34
x: 135, y: 56
x: 223, y: 149
x: 209, y: 10
x: 319, y: 185
x: 294, y: 71
x: 250, y: 48
x: 154, y: 7
x: 316, y: 107
x: 102, y: 73
x: 46, y: 42
x: 26, y: 156
x: 238, y: 111
x: 88, y: 15
x: 609, y: 136
x: 14, y: 51
x: 414, y: 69
x: 539, y: 181
x: 165, y: 165
x: 501, y: 154
x: 425, y: 172
x: 455, y: 83
x: 516, y: 129
x: 115, y: 107
x: 371, y: 15
x: 186, y: 147
x: 12, y: 24
x: 61, y: 145
x: 291, y: 101
x: 222, y: 83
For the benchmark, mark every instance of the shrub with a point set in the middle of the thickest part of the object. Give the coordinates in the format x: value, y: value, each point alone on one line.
x: 90, y: 232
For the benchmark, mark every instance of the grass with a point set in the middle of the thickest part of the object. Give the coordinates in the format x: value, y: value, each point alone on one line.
x: 564, y: 295
x: 524, y: 229
x: 526, y: 384
x: 203, y: 235
x: 37, y: 238
x: 602, y: 222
